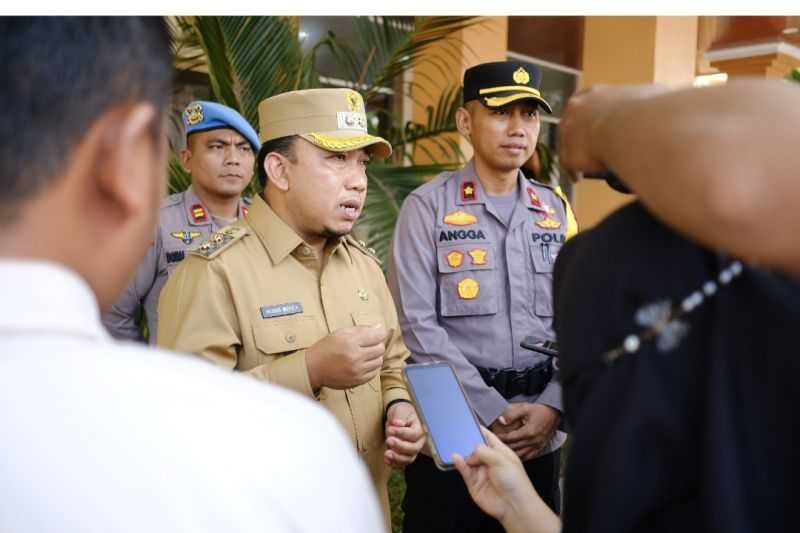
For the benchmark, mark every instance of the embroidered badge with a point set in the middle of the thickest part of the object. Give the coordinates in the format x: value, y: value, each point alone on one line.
x: 455, y: 259
x: 521, y: 76
x: 548, y: 222
x: 468, y: 289
x: 199, y: 213
x: 362, y: 293
x: 176, y: 256
x: 186, y: 236
x: 353, y: 101
x: 468, y: 191
x: 272, y: 311
x: 534, y: 197
x: 460, y: 218
x: 194, y: 114
x: 478, y: 256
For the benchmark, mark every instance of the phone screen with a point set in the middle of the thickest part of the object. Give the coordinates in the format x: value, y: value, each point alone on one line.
x: 452, y: 426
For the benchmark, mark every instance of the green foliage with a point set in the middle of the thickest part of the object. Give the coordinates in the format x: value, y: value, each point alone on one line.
x: 794, y: 75
x: 252, y: 58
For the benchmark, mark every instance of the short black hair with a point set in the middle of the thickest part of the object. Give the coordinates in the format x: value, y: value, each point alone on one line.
x: 282, y: 145
x: 62, y: 74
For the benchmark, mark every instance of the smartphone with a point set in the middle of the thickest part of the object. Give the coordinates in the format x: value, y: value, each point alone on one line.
x: 546, y: 347
x: 449, y: 420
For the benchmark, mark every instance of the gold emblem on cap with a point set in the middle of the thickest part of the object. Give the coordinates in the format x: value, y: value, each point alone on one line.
x: 194, y: 114
x: 521, y: 76
x: 468, y: 289
x: 353, y: 101
x: 455, y: 259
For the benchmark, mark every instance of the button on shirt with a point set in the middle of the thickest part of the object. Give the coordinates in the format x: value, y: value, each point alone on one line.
x: 102, y: 436
x: 470, y: 287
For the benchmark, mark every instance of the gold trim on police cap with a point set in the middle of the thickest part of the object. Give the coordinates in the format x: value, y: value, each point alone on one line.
x: 333, y: 119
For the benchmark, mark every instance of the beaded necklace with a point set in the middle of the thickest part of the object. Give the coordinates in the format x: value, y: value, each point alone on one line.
x: 664, y: 318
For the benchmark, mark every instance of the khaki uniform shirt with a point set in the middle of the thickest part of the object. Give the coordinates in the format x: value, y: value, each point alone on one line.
x: 184, y: 222
x: 255, y: 300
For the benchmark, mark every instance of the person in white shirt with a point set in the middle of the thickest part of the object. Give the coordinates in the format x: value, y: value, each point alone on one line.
x: 103, y: 436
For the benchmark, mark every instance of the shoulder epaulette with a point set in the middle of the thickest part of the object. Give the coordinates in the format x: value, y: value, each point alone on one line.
x: 219, y: 241
x: 362, y: 247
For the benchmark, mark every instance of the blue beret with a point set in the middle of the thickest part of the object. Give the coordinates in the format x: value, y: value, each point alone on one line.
x: 203, y: 116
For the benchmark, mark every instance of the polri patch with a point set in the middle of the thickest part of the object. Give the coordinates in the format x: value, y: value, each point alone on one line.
x: 273, y: 311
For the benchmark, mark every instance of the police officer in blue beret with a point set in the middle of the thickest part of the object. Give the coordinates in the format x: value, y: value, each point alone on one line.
x: 220, y: 156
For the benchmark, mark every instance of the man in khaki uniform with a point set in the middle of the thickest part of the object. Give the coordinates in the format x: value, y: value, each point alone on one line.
x: 288, y: 296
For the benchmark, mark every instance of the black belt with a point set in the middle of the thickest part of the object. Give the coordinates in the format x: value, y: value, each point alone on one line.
x: 512, y: 382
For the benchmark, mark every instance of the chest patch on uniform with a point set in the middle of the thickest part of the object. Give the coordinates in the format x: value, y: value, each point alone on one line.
x: 272, y: 311
x: 186, y: 236
x: 468, y: 289
x: 176, y: 256
x: 461, y: 234
x: 460, y: 218
x: 478, y: 256
x: 455, y: 259
x: 467, y: 191
x: 548, y: 222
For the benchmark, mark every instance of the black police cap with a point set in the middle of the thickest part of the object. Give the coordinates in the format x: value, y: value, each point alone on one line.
x: 502, y: 82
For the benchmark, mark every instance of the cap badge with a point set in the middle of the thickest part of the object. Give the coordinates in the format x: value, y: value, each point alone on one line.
x: 194, y: 114
x: 353, y: 101
x: 468, y: 289
x: 478, y: 256
x: 521, y: 76
x: 468, y: 191
x: 460, y: 218
x: 455, y: 259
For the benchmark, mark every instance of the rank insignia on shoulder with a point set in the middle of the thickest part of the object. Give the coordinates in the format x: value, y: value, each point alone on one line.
x: 478, y: 256
x: 219, y: 241
x: 468, y: 191
x: 273, y: 311
x: 455, y: 259
x: 534, y: 197
x: 468, y: 289
x: 361, y: 245
x: 186, y: 236
x: 460, y: 218
x: 199, y: 213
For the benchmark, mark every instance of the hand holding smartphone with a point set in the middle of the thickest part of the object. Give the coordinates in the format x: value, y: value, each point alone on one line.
x: 451, y: 424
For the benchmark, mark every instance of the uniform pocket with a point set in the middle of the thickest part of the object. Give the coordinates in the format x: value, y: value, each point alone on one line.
x: 468, y: 281
x: 544, y: 248
x: 275, y: 336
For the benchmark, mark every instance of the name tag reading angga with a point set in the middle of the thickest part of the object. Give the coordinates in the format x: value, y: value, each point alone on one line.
x: 272, y: 311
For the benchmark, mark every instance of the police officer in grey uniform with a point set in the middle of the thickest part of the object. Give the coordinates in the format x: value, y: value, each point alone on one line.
x: 220, y: 155
x: 471, y: 273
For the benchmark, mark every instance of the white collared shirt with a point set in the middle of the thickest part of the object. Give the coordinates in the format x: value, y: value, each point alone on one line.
x: 102, y: 436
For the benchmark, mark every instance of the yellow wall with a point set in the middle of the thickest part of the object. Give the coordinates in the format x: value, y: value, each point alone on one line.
x: 631, y: 50
x: 445, y: 66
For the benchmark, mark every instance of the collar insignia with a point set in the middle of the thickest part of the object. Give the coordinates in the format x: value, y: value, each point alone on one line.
x: 199, y: 213
x: 534, y: 197
x: 468, y: 191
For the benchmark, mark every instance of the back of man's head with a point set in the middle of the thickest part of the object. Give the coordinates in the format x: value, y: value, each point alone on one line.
x: 82, y: 162
x: 61, y: 74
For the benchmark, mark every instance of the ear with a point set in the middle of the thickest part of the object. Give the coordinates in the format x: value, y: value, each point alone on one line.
x: 464, y: 122
x: 186, y: 156
x: 126, y: 158
x: 277, y: 169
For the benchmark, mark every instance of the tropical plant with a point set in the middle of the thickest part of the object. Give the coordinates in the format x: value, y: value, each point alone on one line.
x: 248, y: 59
